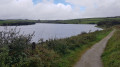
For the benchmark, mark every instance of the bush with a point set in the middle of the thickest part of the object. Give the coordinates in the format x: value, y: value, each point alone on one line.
x: 108, y: 23
x: 16, y: 50
x: 15, y: 46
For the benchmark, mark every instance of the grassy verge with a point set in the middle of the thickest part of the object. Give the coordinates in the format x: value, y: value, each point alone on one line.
x: 70, y: 59
x: 111, y: 55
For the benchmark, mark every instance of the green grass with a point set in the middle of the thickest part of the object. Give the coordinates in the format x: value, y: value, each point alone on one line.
x: 111, y: 55
x: 15, y: 21
x: 70, y: 59
x: 82, y: 21
x: 79, y: 21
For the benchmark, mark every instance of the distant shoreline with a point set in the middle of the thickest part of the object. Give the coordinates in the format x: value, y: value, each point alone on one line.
x: 71, y: 21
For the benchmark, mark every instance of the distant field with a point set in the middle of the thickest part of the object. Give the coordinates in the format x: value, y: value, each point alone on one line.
x: 17, y: 22
x: 76, y: 21
x: 80, y: 21
x: 72, y: 21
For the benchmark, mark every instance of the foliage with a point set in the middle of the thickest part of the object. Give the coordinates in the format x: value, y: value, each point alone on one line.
x: 13, y: 46
x: 16, y: 22
x: 108, y: 23
x: 16, y: 51
x: 70, y: 49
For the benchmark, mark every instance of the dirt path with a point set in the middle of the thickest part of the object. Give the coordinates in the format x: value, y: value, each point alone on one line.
x: 92, y: 57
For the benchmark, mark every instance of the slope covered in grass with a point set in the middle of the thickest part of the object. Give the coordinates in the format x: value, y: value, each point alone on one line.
x: 111, y: 55
x: 79, y: 44
x: 81, y: 21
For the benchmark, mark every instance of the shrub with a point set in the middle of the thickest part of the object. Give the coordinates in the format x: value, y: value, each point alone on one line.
x: 16, y: 51
x: 15, y: 45
x: 108, y: 23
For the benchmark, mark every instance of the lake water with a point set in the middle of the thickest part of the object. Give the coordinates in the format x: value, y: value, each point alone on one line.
x: 50, y: 31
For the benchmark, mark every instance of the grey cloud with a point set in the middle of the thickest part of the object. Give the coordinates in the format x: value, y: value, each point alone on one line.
x: 25, y: 9
x: 98, y: 8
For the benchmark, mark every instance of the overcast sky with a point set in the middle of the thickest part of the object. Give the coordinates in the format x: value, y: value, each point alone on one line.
x: 58, y: 9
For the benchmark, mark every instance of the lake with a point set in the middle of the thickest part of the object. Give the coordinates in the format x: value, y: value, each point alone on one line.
x: 51, y: 31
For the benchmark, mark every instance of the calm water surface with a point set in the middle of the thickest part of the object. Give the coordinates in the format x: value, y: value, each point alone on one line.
x: 50, y: 31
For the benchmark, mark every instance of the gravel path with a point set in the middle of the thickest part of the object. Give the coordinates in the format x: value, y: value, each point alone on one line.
x: 92, y: 57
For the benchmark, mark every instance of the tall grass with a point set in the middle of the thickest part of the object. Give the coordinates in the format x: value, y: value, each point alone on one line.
x: 79, y: 45
x: 111, y: 55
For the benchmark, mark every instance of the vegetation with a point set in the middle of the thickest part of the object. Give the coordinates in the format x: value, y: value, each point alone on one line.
x: 17, y: 50
x: 82, y: 21
x: 16, y: 22
x: 78, y: 45
x: 111, y: 55
x: 106, y: 20
x: 75, y: 21
x: 108, y: 23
